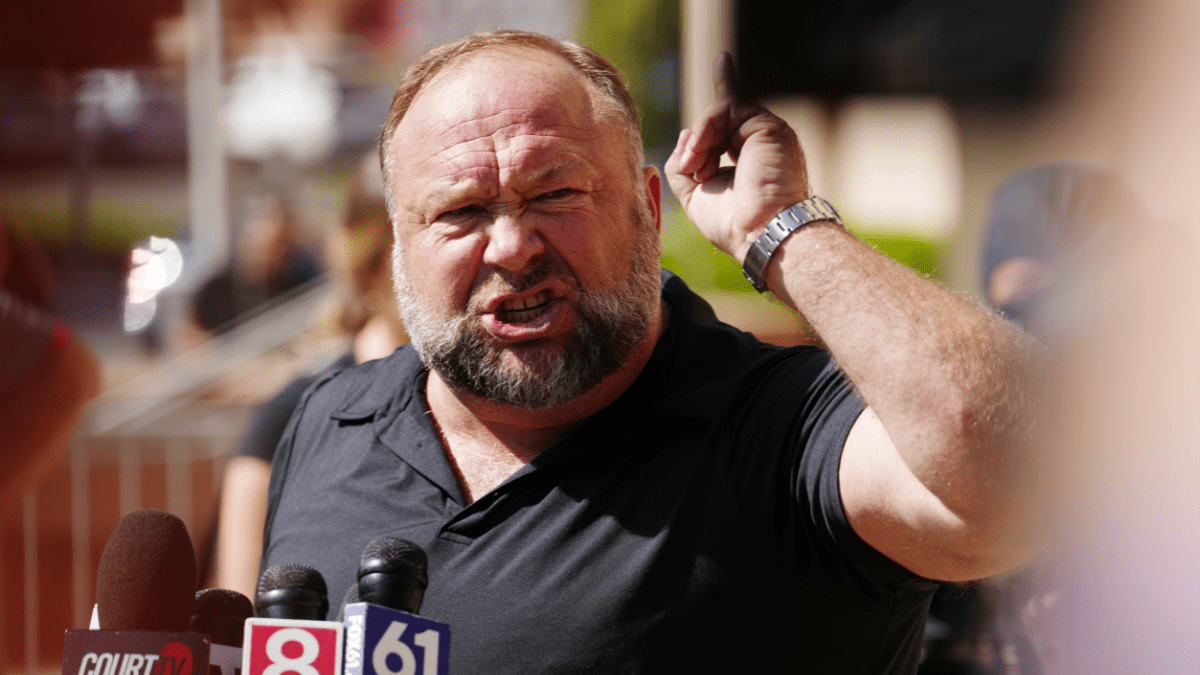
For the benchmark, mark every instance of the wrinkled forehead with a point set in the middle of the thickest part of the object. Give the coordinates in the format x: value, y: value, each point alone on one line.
x: 505, y: 90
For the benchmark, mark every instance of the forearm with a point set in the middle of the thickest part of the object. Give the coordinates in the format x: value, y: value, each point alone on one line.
x: 240, y: 528
x: 945, y: 378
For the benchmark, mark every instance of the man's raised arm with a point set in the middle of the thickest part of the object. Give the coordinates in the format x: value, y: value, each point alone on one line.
x: 929, y: 471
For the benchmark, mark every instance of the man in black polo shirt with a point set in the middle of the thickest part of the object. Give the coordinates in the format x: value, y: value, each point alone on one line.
x: 605, y: 477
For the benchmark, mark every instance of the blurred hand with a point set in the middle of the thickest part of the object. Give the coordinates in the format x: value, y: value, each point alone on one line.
x: 732, y: 204
x: 42, y: 399
x: 25, y: 271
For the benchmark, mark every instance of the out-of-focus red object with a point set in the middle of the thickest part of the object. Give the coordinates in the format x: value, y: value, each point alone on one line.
x: 69, y: 35
x: 40, y: 408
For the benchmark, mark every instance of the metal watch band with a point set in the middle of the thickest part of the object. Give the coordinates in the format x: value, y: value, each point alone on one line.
x: 781, y: 226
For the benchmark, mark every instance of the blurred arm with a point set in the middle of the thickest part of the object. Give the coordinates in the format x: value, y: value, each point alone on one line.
x: 40, y: 411
x: 240, y: 527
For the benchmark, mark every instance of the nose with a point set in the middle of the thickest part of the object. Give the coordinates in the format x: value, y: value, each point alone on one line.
x: 512, y: 243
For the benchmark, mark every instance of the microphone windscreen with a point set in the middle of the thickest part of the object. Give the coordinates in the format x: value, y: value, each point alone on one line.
x: 291, y: 591
x: 392, y: 555
x: 147, y: 575
x: 392, y: 574
x: 221, y: 614
x: 224, y: 602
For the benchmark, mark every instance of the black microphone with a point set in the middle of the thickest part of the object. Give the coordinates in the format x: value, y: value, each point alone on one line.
x: 147, y: 574
x: 392, y: 574
x: 379, y: 613
x: 292, y: 603
x: 291, y: 591
x: 221, y: 614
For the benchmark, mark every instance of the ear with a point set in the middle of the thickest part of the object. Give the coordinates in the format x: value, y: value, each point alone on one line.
x: 652, y: 184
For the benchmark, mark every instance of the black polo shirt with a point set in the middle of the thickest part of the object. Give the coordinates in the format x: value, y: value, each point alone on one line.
x: 695, y: 523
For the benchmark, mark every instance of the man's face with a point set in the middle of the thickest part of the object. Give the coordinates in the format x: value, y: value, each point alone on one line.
x: 525, y: 269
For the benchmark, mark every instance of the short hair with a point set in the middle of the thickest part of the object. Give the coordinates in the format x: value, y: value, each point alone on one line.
x: 598, y: 71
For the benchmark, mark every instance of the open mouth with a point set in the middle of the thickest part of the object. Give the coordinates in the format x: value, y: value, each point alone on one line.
x: 524, y: 310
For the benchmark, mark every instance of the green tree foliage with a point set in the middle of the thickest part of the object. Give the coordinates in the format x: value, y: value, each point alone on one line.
x: 641, y: 37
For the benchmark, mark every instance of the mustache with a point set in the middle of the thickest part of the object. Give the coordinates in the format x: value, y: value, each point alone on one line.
x: 507, y: 281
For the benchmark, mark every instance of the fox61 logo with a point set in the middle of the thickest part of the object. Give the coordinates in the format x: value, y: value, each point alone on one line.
x: 383, y: 641
x: 284, y: 647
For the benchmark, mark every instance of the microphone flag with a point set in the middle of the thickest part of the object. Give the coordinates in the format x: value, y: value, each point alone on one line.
x: 134, y: 652
x: 278, y: 646
x: 224, y: 660
x: 384, y: 641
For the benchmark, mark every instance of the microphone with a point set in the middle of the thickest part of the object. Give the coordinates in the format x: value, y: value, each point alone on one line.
x: 392, y: 574
x: 384, y: 636
x: 221, y: 614
x: 144, y: 594
x: 292, y: 591
x: 290, y: 633
x: 147, y: 574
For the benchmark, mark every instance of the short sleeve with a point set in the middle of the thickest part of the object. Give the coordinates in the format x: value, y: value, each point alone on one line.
x: 271, y: 420
x: 785, y: 429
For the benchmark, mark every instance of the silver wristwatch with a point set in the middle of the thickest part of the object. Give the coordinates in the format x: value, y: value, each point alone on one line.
x: 781, y: 226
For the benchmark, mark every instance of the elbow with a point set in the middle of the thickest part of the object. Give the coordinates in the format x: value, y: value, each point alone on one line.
x: 982, y: 550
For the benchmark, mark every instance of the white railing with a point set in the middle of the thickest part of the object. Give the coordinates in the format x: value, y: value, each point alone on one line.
x: 180, y: 474
x: 150, y: 442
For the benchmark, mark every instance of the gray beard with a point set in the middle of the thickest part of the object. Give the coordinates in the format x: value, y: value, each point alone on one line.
x: 611, y: 326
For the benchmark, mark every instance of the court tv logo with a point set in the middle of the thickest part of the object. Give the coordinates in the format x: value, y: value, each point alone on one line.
x: 174, y: 659
x: 103, y: 652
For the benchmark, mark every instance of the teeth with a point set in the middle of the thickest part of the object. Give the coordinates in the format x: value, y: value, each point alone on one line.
x: 525, y: 303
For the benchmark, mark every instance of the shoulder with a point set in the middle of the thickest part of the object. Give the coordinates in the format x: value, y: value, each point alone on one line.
x: 358, y: 394
x: 709, y: 364
x: 365, y: 388
x: 333, y: 422
x: 272, y: 418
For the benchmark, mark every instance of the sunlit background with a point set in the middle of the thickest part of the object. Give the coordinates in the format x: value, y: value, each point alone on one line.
x: 153, y: 147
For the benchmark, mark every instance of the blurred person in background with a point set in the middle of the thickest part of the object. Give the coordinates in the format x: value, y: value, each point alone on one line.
x: 273, y: 261
x: 47, y: 374
x: 1043, y: 220
x: 359, y: 256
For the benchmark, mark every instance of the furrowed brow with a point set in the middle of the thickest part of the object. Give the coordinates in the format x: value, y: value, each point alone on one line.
x: 557, y: 172
x: 441, y: 196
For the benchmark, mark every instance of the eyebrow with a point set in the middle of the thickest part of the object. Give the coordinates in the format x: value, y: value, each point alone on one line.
x: 556, y: 171
x: 442, y: 195
x: 454, y: 191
